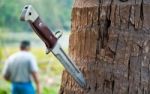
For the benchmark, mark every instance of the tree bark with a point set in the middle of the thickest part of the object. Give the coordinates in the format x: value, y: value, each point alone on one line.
x: 110, y: 43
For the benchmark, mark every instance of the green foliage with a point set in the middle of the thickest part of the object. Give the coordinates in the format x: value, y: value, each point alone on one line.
x: 56, y: 13
x: 50, y: 90
x: 3, y: 91
x: 1, y: 56
x: 4, y: 87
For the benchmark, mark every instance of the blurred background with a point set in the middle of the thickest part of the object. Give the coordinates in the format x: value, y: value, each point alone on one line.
x: 57, y: 15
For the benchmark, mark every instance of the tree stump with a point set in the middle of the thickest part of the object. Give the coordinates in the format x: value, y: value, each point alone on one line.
x: 110, y: 42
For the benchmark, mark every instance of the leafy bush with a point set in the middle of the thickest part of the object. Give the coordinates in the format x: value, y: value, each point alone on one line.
x: 1, y: 54
x: 3, y: 91
x: 50, y: 90
x: 4, y: 88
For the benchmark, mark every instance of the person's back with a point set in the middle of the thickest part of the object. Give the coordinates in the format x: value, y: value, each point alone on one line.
x: 21, y: 65
x: 19, y: 68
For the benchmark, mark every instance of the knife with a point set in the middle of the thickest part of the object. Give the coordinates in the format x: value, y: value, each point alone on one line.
x: 30, y: 15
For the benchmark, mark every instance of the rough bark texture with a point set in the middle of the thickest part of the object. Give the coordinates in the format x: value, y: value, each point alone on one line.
x: 110, y: 42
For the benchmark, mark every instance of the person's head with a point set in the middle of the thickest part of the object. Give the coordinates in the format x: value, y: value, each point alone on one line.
x: 25, y: 45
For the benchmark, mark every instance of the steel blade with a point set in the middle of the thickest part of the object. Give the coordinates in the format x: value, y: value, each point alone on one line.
x: 69, y: 65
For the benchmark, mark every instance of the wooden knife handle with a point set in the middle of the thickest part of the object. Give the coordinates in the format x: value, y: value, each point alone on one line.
x: 44, y: 33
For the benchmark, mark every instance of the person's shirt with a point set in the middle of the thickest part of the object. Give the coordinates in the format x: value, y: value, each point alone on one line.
x: 20, y: 66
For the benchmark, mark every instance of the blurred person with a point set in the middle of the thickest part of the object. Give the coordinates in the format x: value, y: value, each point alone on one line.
x: 20, y: 68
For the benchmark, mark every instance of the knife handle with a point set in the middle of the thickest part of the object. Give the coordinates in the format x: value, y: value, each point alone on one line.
x: 44, y: 33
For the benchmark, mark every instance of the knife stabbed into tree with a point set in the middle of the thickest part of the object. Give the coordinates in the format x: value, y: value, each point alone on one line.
x: 51, y: 42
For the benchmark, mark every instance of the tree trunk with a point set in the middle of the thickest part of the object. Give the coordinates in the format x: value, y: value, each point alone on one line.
x: 110, y: 43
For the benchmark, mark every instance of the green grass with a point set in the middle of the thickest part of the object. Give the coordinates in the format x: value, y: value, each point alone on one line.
x: 50, y: 90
